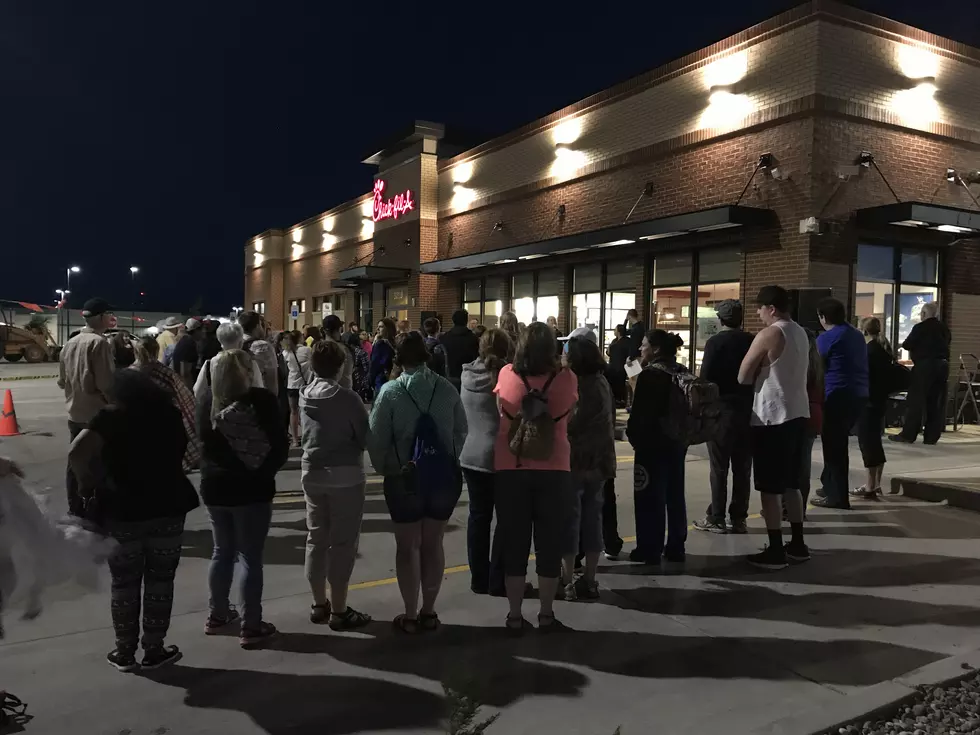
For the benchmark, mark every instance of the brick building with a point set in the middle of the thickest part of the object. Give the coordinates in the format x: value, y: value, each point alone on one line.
x: 826, y: 148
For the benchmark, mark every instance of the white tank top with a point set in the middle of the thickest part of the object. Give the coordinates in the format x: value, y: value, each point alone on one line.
x: 780, y: 389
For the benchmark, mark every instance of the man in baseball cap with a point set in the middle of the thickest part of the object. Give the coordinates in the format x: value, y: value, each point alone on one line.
x: 185, y: 356
x: 85, y: 375
x: 723, y: 355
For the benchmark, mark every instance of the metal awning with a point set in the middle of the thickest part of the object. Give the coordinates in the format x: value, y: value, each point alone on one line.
x: 363, y: 275
x: 934, y: 217
x: 718, y: 218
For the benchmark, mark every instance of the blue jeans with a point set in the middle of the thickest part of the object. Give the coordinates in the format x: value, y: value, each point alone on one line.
x: 659, y: 503
x: 239, y: 533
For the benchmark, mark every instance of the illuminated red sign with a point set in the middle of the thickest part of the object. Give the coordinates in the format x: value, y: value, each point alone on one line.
x: 390, y: 208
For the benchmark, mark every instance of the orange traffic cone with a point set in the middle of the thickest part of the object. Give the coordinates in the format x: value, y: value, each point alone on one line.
x: 8, y: 417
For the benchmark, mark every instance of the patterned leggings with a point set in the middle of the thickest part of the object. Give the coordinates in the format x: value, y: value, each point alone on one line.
x: 146, y: 560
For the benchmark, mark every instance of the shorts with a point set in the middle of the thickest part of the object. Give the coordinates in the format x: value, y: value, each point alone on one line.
x: 408, y: 506
x: 292, y: 394
x: 776, y: 455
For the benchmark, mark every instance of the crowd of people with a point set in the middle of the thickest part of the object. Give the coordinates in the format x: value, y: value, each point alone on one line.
x: 524, y: 414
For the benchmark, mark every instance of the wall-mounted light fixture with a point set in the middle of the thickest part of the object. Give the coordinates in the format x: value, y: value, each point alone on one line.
x: 258, y: 244
x: 727, y: 105
x: 567, y: 161
x: 498, y: 226
x: 257, y: 259
x: 297, y: 234
x: 463, y: 196
x: 328, y: 223
x: 297, y: 250
x: 463, y: 172
x: 367, y: 226
x: 567, y: 131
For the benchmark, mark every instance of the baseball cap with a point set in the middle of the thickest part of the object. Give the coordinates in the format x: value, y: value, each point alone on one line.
x: 95, y: 307
x: 729, y: 310
x: 332, y: 323
x: 775, y: 296
x: 192, y: 324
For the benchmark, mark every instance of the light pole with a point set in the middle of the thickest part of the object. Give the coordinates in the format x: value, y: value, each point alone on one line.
x: 67, y: 316
x: 133, y: 270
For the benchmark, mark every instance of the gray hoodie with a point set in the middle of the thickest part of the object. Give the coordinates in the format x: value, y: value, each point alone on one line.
x: 482, y: 416
x: 335, y: 425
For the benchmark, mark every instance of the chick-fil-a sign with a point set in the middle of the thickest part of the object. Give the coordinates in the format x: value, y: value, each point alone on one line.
x: 390, y: 208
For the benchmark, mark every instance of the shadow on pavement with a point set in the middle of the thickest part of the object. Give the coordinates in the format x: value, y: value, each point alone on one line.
x: 505, y: 674
x: 823, y: 609
x: 867, y: 568
x: 289, y: 704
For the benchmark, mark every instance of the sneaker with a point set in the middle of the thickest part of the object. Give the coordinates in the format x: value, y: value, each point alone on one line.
x: 566, y: 592
x: 769, y: 558
x: 584, y: 591
x: 157, y: 658
x: 350, y: 619
x: 710, y: 525
x: 797, y: 552
x: 638, y: 557
x: 255, y: 637
x: 820, y: 492
x: 217, y: 623
x: 828, y: 503
x: 738, y: 526
x: 611, y: 555
x: 124, y: 662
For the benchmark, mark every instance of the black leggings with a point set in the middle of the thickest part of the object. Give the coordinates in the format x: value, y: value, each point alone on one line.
x: 532, y: 502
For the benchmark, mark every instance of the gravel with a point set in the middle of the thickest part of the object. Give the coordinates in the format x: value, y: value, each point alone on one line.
x: 948, y: 710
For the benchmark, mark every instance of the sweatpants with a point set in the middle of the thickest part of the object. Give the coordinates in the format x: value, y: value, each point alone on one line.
x: 333, y: 520
x: 143, y: 566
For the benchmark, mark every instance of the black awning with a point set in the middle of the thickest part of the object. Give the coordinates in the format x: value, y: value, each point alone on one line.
x: 656, y: 229
x: 951, y: 220
x: 363, y: 275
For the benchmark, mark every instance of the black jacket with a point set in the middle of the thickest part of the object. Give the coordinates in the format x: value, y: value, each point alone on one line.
x: 636, y: 333
x: 928, y: 340
x: 651, y: 402
x: 880, y: 373
x: 723, y: 355
x: 225, y: 480
x: 461, y: 347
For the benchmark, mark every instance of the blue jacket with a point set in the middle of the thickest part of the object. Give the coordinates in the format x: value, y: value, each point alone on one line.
x: 382, y: 358
x: 397, y: 409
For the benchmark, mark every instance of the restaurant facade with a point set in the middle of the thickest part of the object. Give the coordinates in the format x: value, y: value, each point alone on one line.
x: 828, y: 150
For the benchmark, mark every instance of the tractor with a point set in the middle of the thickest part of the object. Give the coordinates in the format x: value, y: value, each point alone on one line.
x: 32, y: 343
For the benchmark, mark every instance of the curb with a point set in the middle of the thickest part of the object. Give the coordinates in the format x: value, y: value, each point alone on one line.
x: 4, y: 379
x: 937, y: 492
x: 871, y: 702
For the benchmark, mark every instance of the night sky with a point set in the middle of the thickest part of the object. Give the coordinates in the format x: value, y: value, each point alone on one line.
x: 163, y: 135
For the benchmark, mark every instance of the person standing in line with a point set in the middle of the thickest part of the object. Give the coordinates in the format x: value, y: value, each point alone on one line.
x: 352, y: 336
x: 593, y: 462
x: 230, y: 337
x: 167, y: 335
x: 532, y: 461
x: 478, y: 380
x: 845, y: 357
x: 210, y: 345
x: 776, y: 365
x: 182, y: 398
x: 723, y: 355
x: 419, y: 510
x: 185, y: 357
x: 335, y: 429
x: 257, y: 344
x: 404, y: 326
x: 244, y: 447
x: 658, y: 464
x: 619, y: 352
x: 636, y: 330
x: 928, y: 346
x: 382, y: 355
x: 366, y: 344
x: 814, y: 393
x: 871, y: 423
x: 472, y: 324
x: 437, y: 355
x: 553, y: 323
x: 332, y: 327
x: 140, y: 505
x: 299, y: 372
x: 85, y: 373
x: 510, y: 324
x: 461, y: 346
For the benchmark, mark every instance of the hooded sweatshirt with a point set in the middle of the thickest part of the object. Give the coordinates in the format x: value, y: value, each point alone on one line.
x: 335, y: 429
x: 397, y: 409
x: 244, y: 446
x: 482, y: 416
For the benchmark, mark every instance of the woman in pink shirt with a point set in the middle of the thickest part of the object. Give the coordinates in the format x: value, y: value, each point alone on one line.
x: 532, y: 464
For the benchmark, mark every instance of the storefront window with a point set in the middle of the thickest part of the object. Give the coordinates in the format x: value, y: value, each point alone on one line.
x: 587, y: 296
x: 365, y: 311
x: 707, y: 322
x: 493, y: 304
x: 546, y: 302
x: 621, y: 281
x: 883, y: 272
x: 672, y: 312
x: 396, y: 302
x: 672, y: 268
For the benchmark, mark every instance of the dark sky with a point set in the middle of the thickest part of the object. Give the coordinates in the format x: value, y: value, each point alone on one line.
x: 164, y: 134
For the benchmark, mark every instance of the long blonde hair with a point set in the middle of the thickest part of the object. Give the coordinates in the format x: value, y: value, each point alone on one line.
x: 231, y: 378
x: 871, y: 326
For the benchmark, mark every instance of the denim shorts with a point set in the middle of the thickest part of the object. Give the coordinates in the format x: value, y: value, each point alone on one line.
x: 406, y: 504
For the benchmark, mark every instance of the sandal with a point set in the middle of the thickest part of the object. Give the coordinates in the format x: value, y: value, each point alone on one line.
x: 429, y: 621
x: 517, y: 626
x: 320, y: 614
x: 349, y: 619
x: 404, y: 624
x: 555, y: 625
